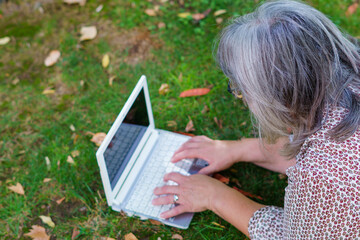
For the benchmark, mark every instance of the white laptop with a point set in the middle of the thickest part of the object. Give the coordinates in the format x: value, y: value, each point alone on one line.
x: 135, y: 156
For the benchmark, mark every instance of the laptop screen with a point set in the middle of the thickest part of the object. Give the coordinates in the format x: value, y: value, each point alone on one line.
x: 126, y: 139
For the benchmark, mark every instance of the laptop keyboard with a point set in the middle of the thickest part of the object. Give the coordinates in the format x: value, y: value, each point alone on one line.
x: 158, y: 165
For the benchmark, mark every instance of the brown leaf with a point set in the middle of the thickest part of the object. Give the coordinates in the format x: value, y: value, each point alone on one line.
x: 206, y: 12
x: 98, y: 138
x: 177, y: 236
x: 161, y: 25
x: 171, y: 123
x: 218, y: 122
x: 205, y: 109
x: 186, y: 134
x: 194, y: 92
x: 219, y: 20
x: 46, y: 180
x: 59, y: 201
x: 111, y: 80
x: 75, y: 153
x: 150, y: 12
x: 198, y: 16
x: 189, y: 126
x: 37, y: 233
x: 248, y: 194
x: 75, y: 233
x: 282, y: 176
x: 52, y: 58
x: 18, y: 188
x: 130, y: 236
x: 180, y: 77
x: 221, y: 178
x: 155, y: 222
x: 48, y: 91
x: 88, y: 33
x: 164, y: 88
x: 70, y: 160
x: 80, y: 2
x: 352, y: 9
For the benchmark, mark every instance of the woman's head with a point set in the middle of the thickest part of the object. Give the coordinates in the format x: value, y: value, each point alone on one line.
x: 290, y: 61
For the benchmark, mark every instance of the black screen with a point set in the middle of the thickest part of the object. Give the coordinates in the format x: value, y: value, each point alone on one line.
x: 126, y: 139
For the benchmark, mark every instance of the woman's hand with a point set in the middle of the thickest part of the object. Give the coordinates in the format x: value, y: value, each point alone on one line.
x: 196, y: 193
x: 219, y: 154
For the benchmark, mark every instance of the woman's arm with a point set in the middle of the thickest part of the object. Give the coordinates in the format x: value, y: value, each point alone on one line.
x: 222, y: 154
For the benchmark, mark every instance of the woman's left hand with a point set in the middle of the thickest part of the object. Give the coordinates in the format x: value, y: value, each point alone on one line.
x: 195, y: 193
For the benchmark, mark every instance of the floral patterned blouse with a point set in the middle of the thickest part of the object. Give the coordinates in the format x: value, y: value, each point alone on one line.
x: 322, y: 199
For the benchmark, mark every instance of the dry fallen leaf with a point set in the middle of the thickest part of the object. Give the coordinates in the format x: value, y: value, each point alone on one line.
x: 52, y: 58
x: 155, y: 222
x: 59, y: 201
x: 161, y: 25
x: 177, y: 236
x: 247, y: 193
x: 75, y: 233
x: 72, y: 128
x: 4, y: 40
x: 80, y: 2
x: 189, y: 126
x: 194, y: 92
x: 70, y: 160
x: 218, y: 122
x: 111, y: 80
x: 46, y: 180
x: 18, y: 188
x: 219, y: 12
x: 217, y: 224
x: 219, y: 20
x: 351, y: 9
x: 130, y: 236
x: 48, y: 163
x: 105, y: 61
x: 15, y: 81
x: 75, y: 153
x: 198, y: 16
x: 184, y: 14
x: 98, y: 138
x: 99, y: 8
x: 164, y: 88
x: 47, y: 220
x: 88, y: 33
x: 37, y: 233
x: 48, y: 91
x: 150, y: 12
x: 171, y: 123
x: 221, y: 178
x: 205, y: 109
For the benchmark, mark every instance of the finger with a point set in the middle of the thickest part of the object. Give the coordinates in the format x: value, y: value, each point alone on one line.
x: 206, y: 170
x: 168, y: 199
x: 187, y: 153
x: 167, y: 189
x: 176, y: 177
x: 173, y: 212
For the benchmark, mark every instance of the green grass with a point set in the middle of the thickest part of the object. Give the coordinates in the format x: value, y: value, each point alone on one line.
x: 34, y: 126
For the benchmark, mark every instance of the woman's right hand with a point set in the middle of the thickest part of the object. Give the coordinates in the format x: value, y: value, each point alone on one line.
x: 217, y: 153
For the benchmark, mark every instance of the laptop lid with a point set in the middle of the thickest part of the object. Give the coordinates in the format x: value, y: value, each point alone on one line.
x: 117, y: 161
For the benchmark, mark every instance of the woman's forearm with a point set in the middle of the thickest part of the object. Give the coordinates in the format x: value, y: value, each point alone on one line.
x: 264, y: 155
x: 235, y: 208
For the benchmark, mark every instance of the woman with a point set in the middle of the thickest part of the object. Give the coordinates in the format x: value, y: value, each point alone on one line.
x: 300, y: 77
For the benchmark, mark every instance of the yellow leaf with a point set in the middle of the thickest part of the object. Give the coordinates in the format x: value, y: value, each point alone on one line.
x: 130, y: 236
x: 52, y: 58
x: 37, y: 233
x: 219, y: 12
x: 217, y: 224
x: 46, y: 180
x: 105, y: 61
x: 4, y: 40
x: 98, y: 138
x: 184, y: 14
x: 111, y: 80
x: 18, y: 188
x: 80, y: 2
x: 47, y: 220
x: 164, y: 88
x: 88, y: 33
x: 72, y: 128
x: 70, y: 160
x: 48, y: 91
x: 150, y: 12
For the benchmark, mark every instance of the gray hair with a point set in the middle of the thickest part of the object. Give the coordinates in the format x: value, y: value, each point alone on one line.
x: 291, y: 63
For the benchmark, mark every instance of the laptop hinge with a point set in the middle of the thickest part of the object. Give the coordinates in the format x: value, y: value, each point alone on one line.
x: 119, y: 197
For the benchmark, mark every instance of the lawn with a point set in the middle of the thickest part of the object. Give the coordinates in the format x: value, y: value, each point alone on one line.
x: 50, y: 113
